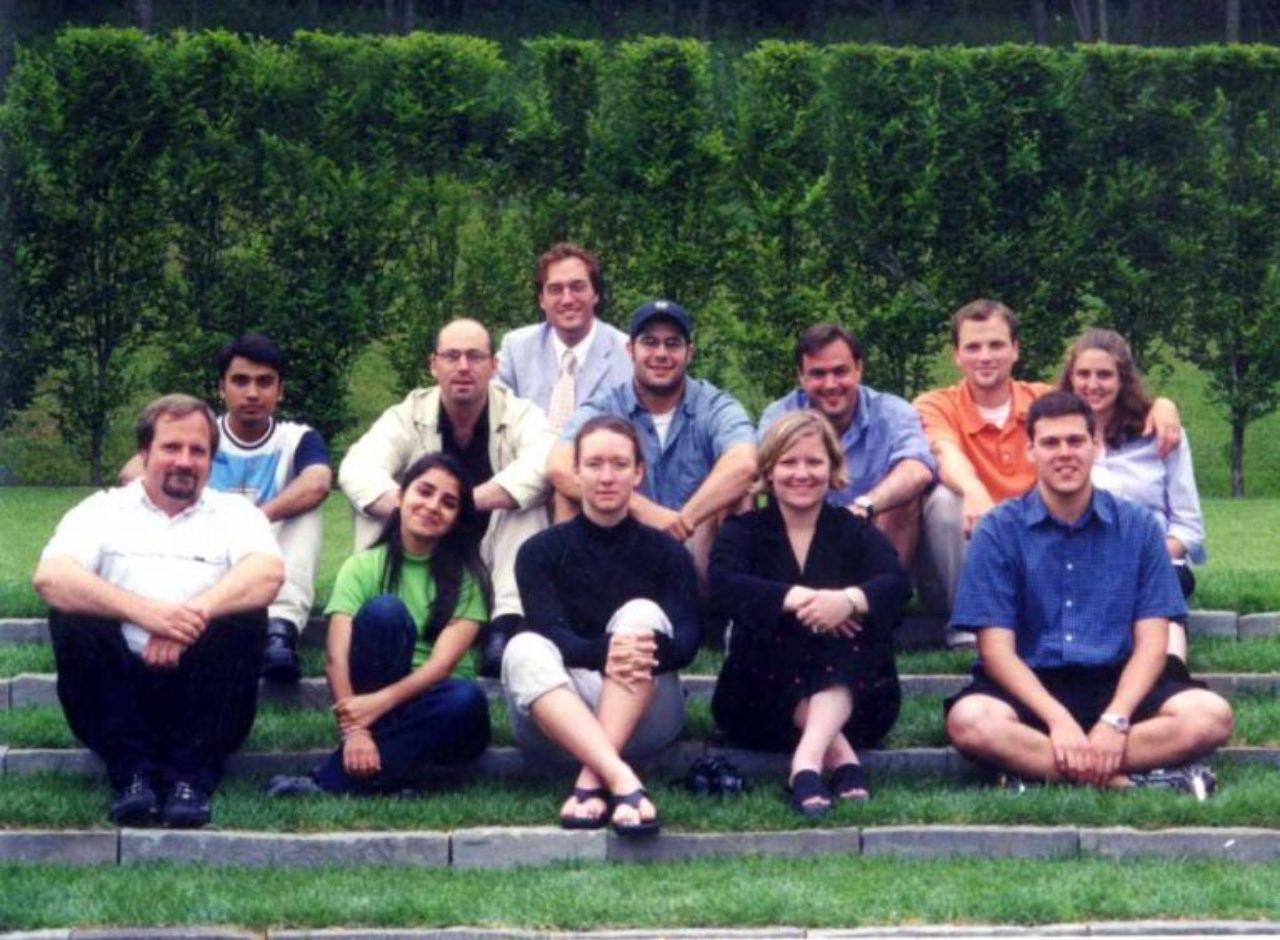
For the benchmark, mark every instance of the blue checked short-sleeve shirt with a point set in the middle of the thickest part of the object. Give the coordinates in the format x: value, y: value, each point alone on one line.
x: 1070, y: 593
x: 707, y: 422
x: 885, y: 431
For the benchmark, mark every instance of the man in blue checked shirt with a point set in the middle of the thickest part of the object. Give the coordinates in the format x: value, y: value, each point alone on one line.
x: 1070, y: 592
x: 699, y: 445
x: 885, y: 451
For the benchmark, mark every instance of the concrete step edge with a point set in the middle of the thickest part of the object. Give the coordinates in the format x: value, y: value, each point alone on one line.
x: 505, y: 846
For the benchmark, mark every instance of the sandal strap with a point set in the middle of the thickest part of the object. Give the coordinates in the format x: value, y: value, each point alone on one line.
x: 848, y: 777
x: 582, y: 794
x: 632, y: 799
x: 807, y: 785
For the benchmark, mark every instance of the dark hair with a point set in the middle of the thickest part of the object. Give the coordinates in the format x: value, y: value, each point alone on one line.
x: 256, y: 347
x: 820, y: 336
x: 562, y: 251
x: 173, y: 406
x: 980, y: 311
x: 608, y: 423
x: 1132, y: 400
x: 457, y: 552
x: 1059, y: 404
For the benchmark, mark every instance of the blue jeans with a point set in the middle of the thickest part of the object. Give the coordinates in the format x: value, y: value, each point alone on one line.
x: 446, y: 724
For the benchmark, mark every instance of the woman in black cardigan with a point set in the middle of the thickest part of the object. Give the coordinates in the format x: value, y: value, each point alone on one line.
x: 815, y: 593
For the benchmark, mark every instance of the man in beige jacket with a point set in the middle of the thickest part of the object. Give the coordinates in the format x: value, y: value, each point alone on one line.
x: 502, y: 440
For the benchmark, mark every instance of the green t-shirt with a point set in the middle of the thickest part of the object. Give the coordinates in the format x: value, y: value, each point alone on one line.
x: 361, y: 579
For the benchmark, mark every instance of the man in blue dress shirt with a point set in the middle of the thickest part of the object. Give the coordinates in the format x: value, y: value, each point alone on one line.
x: 885, y: 450
x: 699, y: 444
x: 1070, y: 591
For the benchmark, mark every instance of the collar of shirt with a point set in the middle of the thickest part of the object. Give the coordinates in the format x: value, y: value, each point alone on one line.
x: 861, y: 415
x: 1035, y: 512
x: 580, y: 350
x: 973, y: 422
x: 201, y: 504
x: 631, y: 403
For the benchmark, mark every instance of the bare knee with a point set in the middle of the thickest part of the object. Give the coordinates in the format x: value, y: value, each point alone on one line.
x: 970, y: 724
x: 1204, y: 720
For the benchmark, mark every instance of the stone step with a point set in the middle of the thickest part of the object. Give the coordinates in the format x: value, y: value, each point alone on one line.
x: 509, y: 763
x: 26, y: 689
x: 918, y: 631
x: 505, y: 846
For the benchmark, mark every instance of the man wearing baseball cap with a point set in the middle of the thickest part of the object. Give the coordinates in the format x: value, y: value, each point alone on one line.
x: 698, y: 442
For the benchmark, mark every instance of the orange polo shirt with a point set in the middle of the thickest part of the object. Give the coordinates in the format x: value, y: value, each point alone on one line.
x: 998, y: 455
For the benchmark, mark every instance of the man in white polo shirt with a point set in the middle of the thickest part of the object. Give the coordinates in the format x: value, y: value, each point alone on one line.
x: 158, y: 593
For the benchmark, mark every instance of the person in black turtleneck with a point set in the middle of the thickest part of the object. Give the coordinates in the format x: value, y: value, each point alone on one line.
x: 612, y: 611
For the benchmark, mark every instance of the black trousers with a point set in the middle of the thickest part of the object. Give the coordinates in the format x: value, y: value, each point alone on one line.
x: 169, y: 724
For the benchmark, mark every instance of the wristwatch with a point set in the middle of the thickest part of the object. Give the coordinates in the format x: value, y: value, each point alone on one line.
x: 1117, y: 721
x: 867, y: 505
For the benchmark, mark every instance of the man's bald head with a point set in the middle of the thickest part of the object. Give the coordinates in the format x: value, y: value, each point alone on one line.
x: 462, y: 363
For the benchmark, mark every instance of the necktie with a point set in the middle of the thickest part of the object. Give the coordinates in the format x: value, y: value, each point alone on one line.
x: 562, y: 394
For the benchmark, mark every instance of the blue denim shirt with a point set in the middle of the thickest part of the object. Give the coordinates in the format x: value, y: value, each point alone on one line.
x: 707, y: 422
x: 885, y: 430
x: 1070, y: 593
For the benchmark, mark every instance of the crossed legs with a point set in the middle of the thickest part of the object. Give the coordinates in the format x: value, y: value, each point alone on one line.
x: 592, y: 716
x: 1185, y: 726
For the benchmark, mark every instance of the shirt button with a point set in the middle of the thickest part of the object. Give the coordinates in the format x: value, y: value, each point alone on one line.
x: 1070, y: 637
x: 1070, y: 567
x: 1068, y: 604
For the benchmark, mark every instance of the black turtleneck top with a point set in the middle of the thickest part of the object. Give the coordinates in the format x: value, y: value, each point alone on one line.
x: 575, y: 575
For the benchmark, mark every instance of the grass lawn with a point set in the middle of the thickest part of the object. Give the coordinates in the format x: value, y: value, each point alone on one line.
x: 830, y: 891
x: 1246, y: 797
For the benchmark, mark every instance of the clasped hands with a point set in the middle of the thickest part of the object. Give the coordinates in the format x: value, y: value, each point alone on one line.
x: 355, y: 715
x: 1094, y: 758
x: 174, y: 626
x: 632, y: 659
x: 824, y: 610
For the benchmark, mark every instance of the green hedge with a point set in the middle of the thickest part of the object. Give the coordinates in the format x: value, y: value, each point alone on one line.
x: 163, y: 194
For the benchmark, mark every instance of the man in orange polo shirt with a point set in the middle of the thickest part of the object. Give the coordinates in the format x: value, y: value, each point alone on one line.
x: 977, y: 432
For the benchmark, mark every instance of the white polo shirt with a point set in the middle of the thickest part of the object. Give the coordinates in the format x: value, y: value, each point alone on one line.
x: 124, y: 538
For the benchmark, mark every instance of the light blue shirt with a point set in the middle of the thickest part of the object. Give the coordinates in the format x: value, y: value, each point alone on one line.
x: 1070, y: 593
x: 1165, y: 485
x: 885, y: 430
x: 706, y: 423
x: 529, y: 363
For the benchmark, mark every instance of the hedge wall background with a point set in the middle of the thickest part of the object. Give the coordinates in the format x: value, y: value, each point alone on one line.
x: 162, y: 194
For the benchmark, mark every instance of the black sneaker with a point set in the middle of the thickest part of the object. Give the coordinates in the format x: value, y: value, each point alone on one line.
x: 187, y: 807
x: 1196, y: 779
x: 136, y: 803
x: 280, y: 659
x: 493, y: 643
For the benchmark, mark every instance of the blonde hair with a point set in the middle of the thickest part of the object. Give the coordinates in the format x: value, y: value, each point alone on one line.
x: 792, y: 426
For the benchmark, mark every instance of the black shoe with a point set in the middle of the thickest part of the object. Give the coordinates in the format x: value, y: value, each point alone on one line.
x: 1195, y: 779
x: 136, y: 803
x: 280, y: 658
x: 187, y: 807
x: 493, y: 643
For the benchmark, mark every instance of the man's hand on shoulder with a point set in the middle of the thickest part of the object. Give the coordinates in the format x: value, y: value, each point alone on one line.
x: 1164, y: 421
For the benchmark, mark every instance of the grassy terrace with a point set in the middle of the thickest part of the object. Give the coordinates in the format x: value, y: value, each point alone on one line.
x: 281, y: 728
x: 834, y: 891
x: 1246, y: 797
